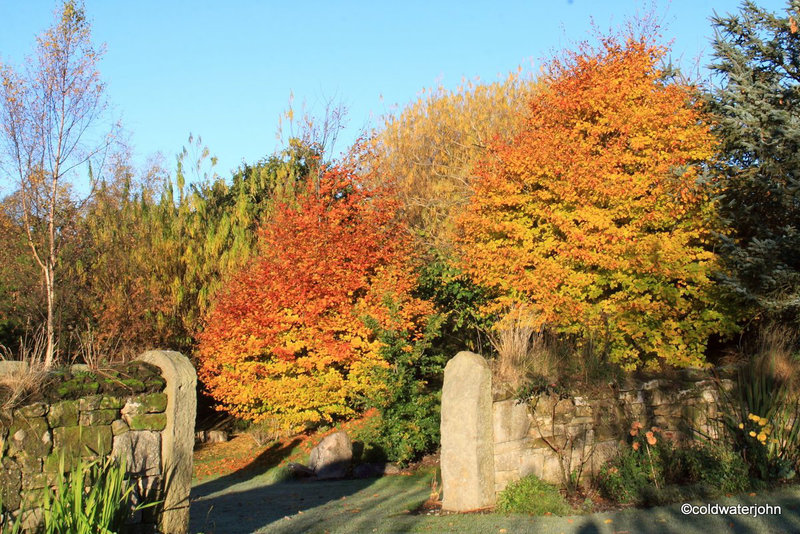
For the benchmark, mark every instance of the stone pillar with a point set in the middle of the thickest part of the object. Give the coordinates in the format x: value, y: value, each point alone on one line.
x: 467, y: 443
x: 177, y: 438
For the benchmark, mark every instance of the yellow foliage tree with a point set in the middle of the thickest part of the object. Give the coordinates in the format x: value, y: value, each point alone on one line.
x: 594, y: 214
x: 429, y: 150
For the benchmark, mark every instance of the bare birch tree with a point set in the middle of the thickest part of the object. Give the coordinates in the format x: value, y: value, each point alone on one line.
x: 52, y: 113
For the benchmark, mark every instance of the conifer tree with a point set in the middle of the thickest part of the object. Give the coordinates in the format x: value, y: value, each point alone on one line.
x: 757, y: 107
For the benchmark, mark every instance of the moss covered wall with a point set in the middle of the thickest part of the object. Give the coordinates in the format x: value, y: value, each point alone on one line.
x: 77, y: 414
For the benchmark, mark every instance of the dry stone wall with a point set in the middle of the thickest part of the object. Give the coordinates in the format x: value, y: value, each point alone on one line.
x: 128, y: 413
x: 587, y: 429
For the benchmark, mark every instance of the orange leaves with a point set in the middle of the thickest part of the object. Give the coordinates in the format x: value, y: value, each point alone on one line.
x: 593, y: 212
x: 286, y: 337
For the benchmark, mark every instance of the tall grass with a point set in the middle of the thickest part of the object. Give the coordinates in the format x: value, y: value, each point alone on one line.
x: 29, y: 372
x: 93, y: 498
x: 522, y: 350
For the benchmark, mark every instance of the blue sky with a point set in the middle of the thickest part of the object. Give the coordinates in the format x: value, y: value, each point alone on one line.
x: 225, y: 70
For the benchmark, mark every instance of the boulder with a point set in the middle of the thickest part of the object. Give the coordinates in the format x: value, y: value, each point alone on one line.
x: 332, y: 456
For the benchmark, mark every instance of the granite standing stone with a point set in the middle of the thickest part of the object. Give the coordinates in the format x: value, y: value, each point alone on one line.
x: 466, y: 428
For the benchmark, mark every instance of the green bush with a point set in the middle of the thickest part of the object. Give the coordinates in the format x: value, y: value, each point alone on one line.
x: 531, y: 495
x: 408, y: 426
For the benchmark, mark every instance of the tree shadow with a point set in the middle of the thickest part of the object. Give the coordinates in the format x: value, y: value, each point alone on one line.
x: 270, y: 457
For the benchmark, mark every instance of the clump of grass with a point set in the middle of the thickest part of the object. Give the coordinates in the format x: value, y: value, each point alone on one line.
x: 522, y: 350
x: 531, y: 495
x: 28, y: 374
x: 93, y: 498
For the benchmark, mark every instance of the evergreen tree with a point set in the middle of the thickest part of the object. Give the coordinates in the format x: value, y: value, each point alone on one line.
x: 757, y: 104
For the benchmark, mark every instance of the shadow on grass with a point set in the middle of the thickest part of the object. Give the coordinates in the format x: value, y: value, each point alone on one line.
x: 308, y: 506
x: 267, y: 459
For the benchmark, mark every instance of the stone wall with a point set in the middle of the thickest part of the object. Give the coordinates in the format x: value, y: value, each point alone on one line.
x: 128, y: 413
x: 587, y: 429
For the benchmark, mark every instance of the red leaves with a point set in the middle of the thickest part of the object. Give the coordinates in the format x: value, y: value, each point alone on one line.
x: 293, y: 317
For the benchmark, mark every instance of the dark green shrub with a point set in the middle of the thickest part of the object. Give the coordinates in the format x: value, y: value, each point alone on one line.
x: 530, y: 495
x: 408, y: 426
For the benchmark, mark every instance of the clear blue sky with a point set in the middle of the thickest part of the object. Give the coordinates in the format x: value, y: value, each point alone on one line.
x: 225, y: 70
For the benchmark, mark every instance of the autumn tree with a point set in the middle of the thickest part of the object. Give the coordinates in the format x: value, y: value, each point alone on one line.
x: 757, y: 109
x: 49, y: 115
x: 429, y: 149
x: 593, y: 215
x: 288, y: 337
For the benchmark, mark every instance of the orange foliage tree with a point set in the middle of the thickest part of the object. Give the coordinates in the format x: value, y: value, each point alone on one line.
x: 594, y: 215
x: 286, y: 339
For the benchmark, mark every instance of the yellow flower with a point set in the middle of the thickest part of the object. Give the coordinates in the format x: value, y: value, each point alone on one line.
x: 762, y: 437
x: 762, y: 421
x: 752, y: 417
x: 741, y: 425
x: 752, y: 434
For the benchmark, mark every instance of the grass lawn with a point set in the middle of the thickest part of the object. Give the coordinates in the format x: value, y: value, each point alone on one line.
x: 253, y: 499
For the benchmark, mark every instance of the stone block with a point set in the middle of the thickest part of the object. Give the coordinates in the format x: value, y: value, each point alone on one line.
x: 98, y: 417
x: 91, y: 402
x: 146, y: 421
x: 76, y: 441
x: 118, y: 427
x: 511, y: 421
x: 63, y: 413
x: 467, y: 455
x: 141, y: 452
x: 30, y: 436
x: 111, y: 403
x: 10, y: 484
x: 35, y: 409
x: 144, y: 404
x: 503, y: 479
x: 531, y: 463
x: 507, y: 462
x: 551, y: 469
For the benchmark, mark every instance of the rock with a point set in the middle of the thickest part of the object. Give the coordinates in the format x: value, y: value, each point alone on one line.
x: 375, y: 470
x: 332, y: 456
x: 299, y: 470
x: 216, y: 436
x: 141, y: 451
x: 466, y: 430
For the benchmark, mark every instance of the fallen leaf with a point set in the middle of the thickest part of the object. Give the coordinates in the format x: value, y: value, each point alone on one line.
x: 752, y: 494
x: 607, y: 521
x: 570, y: 521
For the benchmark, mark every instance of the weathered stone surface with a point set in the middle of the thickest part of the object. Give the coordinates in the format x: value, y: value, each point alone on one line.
x: 332, y: 456
x: 140, y: 450
x: 92, y: 402
x: 177, y: 439
x: 467, y: 459
x: 299, y: 470
x: 36, y: 409
x: 98, y: 417
x: 143, y: 404
x: 30, y: 436
x: 511, y: 420
x: 77, y: 441
x: 146, y: 421
x: 10, y: 484
x: 63, y: 413
x: 111, y: 403
x: 118, y: 427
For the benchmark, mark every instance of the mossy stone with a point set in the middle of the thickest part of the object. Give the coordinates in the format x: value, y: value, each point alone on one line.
x: 148, y: 421
x: 91, y: 402
x: 10, y: 484
x: 98, y: 417
x: 36, y: 409
x: 110, y: 402
x: 30, y: 435
x: 119, y: 427
x: 83, y: 441
x: 63, y: 413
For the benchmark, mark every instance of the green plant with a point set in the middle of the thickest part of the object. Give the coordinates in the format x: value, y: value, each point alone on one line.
x: 93, y: 498
x: 637, y: 466
x: 761, y: 416
x: 531, y: 495
x: 408, y: 426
